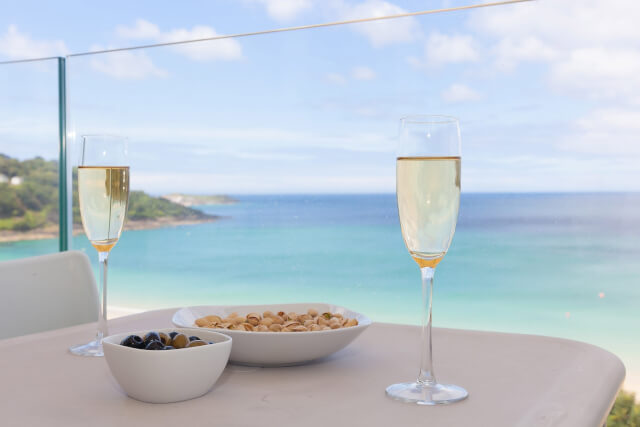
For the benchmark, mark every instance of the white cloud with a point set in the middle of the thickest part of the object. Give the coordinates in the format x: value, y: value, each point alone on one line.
x: 17, y: 45
x: 600, y: 73
x: 605, y: 131
x: 285, y: 10
x: 591, y: 47
x: 458, y: 92
x: 565, y: 23
x: 509, y: 52
x: 336, y: 78
x: 560, y: 173
x: 450, y: 49
x: 363, y: 73
x: 260, y: 139
x: 132, y: 65
x: 380, y: 33
x: 142, y: 30
x: 222, y: 49
x: 262, y: 184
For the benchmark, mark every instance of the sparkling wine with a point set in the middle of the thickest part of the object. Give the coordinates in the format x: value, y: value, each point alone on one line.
x: 104, y: 195
x: 428, y: 190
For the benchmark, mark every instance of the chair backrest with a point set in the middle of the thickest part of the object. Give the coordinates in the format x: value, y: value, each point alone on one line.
x: 46, y: 292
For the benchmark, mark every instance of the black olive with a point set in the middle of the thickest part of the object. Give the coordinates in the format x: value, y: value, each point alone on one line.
x: 154, y: 345
x: 169, y: 347
x: 133, y: 341
x: 194, y: 338
x: 173, y: 334
x: 152, y: 336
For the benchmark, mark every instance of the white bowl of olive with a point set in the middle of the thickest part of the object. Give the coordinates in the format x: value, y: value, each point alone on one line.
x: 167, y: 365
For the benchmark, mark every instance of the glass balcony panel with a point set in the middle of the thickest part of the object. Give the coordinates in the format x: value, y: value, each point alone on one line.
x: 29, y: 152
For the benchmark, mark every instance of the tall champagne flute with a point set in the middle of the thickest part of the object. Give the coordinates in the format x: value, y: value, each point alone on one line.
x: 428, y: 193
x: 103, y: 192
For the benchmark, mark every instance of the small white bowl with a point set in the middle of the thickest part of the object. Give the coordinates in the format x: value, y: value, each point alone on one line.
x: 164, y: 376
x: 278, y: 348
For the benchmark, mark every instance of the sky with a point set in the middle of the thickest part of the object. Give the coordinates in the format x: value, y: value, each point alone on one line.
x: 547, y: 92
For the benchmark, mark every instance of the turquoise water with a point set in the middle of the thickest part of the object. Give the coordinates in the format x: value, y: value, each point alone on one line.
x: 518, y: 263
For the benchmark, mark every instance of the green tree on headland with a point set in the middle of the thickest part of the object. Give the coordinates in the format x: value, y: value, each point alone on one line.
x: 33, y: 202
x: 625, y: 412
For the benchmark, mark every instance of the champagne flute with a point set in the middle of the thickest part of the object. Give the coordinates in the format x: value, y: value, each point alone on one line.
x: 103, y: 190
x: 428, y: 193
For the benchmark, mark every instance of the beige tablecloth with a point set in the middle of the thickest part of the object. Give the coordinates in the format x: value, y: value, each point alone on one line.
x: 513, y: 380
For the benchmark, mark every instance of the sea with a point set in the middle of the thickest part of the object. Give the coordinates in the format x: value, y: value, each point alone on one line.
x: 564, y: 265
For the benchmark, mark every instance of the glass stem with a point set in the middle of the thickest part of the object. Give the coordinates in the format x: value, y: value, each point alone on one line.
x: 102, y: 297
x: 426, y: 377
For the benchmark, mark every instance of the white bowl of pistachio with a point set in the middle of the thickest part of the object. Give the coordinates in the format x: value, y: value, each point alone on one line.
x: 278, y: 334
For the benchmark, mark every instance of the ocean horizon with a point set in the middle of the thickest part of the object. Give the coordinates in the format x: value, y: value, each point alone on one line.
x: 558, y: 264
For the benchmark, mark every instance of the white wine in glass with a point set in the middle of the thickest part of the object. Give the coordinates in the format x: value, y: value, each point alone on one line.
x: 428, y: 192
x: 103, y: 192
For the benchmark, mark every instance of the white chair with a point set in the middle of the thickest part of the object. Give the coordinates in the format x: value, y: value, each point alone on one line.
x: 46, y: 292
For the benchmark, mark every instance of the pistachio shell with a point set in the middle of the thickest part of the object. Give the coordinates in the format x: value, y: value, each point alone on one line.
x: 335, y: 326
x: 202, y: 322
x: 286, y: 330
x: 248, y: 326
x: 322, y: 321
x: 303, y: 318
x: 326, y: 328
x: 281, y: 314
x: 225, y: 325
x: 326, y: 315
x: 291, y: 324
x: 312, y: 312
x: 351, y: 322
x: 261, y: 328
x: 253, y: 318
x: 315, y: 327
x: 234, y: 314
x: 279, y: 320
x: 308, y: 323
x: 213, y: 318
x: 292, y: 316
x: 275, y: 327
x: 267, y: 321
x: 299, y: 328
x: 338, y: 315
x: 267, y: 314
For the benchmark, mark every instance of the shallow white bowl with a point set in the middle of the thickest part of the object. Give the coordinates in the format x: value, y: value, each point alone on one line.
x: 278, y: 348
x: 163, y: 376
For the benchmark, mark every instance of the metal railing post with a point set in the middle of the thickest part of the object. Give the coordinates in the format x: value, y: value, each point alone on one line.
x: 63, y: 194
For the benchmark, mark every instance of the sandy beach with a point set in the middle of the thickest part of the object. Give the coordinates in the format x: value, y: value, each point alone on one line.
x: 51, y: 231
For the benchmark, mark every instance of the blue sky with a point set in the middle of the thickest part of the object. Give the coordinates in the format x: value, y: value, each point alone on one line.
x: 547, y: 92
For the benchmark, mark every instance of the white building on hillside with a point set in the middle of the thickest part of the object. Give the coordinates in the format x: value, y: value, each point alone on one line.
x: 15, y: 180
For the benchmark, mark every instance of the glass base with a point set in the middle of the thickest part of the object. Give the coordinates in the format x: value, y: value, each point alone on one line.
x: 94, y: 349
x: 434, y: 394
